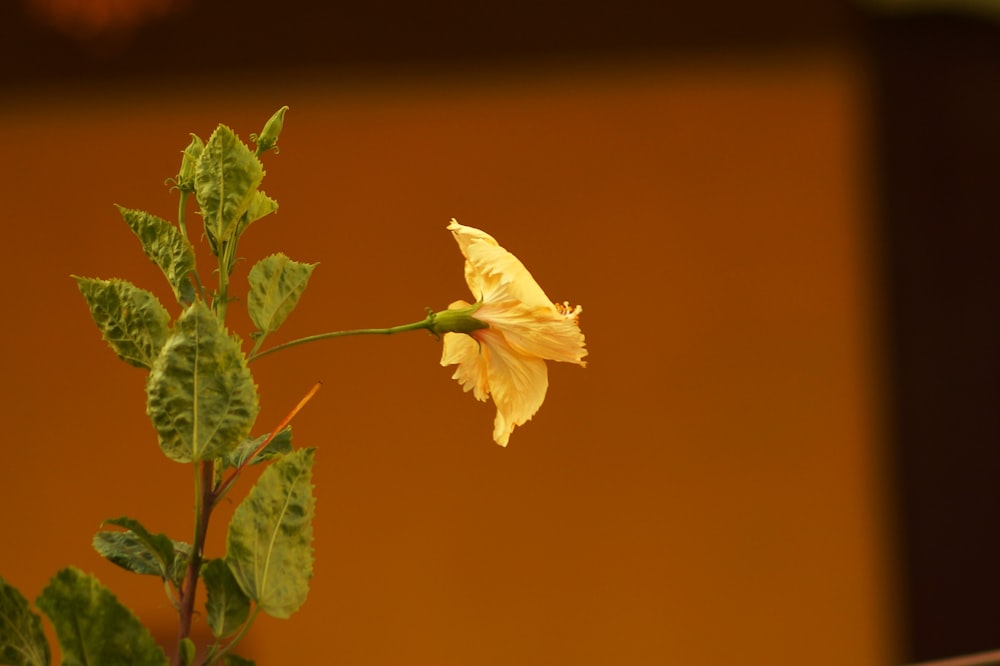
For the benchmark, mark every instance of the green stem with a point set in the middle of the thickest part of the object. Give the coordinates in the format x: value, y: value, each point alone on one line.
x: 198, y: 285
x: 425, y: 324
x: 181, y: 208
x: 221, y: 301
x: 181, y: 213
x: 215, y: 654
x: 258, y: 343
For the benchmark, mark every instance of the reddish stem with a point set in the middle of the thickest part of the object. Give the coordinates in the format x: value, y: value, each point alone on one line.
x: 224, y: 486
x: 207, y: 495
x: 205, y: 503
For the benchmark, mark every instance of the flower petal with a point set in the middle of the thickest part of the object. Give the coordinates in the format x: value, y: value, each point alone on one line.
x: 545, y: 332
x: 471, y: 359
x: 489, y: 268
x: 517, y: 383
x: 506, y: 360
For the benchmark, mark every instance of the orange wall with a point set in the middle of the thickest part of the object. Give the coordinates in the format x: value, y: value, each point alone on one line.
x: 707, y: 491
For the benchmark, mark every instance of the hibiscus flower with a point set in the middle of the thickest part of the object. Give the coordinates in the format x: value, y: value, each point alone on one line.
x: 508, y: 333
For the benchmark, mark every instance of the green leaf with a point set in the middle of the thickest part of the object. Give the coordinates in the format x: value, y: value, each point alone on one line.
x: 280, y: 445
x: 226, y: 177
x: 164, y: 244
x: 132, y: 321
x: 22, y: 641
x: 236, y: 660
x: 227, y: 607
x: 187, y: 650
x: 200, y: 395
x: 269, y: 545
x: 136, y: 549
x: 182, y: 555
x: 276, y: 284
x: 260, y: 205
x: 93, y: 627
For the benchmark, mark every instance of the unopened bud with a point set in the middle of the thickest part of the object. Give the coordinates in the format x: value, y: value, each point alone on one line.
x: 268, y: 138
x: 189, y: 162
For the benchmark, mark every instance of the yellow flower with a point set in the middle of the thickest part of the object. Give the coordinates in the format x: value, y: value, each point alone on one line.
x: 521, y: 329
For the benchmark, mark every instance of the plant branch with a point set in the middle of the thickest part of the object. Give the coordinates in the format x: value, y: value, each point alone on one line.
x: 224, y: 486
x: 181, y: 215
x: 425, y: 324
x: 204, y: 503
x: 181, y: 210
x: 215, y: 654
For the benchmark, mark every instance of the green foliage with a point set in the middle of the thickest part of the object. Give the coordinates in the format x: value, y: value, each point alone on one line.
x: 188, y: 651
x: 241, y: 455
x: 260, y: 206
x: 132, y: 321
x: 201, y: 398
x: 226, y: 177
x: 182, y: 556
x: 139, y: 551
x: 202, y: 402
x: 276, y: 284
x: 164, y: 244
x: 22, y: 642
x: 269, y: 545
x: 93, y: 627
x: 227, y: 608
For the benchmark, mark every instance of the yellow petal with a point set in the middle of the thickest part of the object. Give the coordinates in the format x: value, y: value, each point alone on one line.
x: 517, y: 383
x: 541, y: 331
x: 472, y: 362
x: 490, y: 268
x: 506, y: 360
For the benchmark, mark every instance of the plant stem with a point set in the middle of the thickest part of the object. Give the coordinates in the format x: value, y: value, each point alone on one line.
x: 204, y: 502
x: 224, y: 486
x: 220, y: 302
x: 424, y: 324
x: 181, y: 213
x: 181, y: 208
x: 204, y: 483
x: 214, y: 655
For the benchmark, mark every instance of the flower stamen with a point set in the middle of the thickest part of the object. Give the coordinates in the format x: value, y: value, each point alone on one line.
x: 569, y: 312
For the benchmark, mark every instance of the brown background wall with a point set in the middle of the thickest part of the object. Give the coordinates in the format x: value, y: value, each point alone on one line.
x: 708, y: 491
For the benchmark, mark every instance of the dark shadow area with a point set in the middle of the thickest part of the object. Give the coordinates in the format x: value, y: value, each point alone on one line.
x: 258, y: 36
x: 937, y: 147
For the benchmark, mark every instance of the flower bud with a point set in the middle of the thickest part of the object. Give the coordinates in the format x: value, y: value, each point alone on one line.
x: 189, y: 161
x: 268, y: 138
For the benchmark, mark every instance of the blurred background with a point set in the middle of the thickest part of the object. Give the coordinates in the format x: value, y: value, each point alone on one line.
x: 779, y: 217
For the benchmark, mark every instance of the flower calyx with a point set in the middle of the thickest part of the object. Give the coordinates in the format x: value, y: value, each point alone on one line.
x: 458, y: 319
